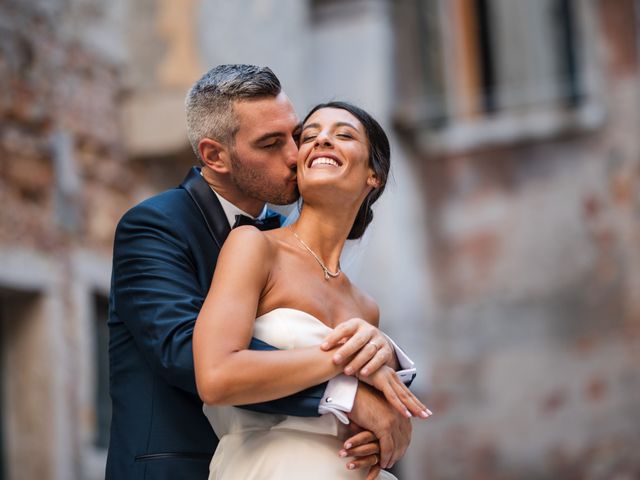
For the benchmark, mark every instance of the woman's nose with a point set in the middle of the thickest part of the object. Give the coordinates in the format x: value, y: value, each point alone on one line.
x: 323, y: 139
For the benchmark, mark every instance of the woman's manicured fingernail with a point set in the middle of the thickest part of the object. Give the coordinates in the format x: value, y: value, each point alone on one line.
x: 343, y: 453
x: 348, y: 371
x: 324, y: 346
x: 337, y: 358
x: 348, y: 445
x: 408, y: 414
x: 351, y: 466
x: 365, y: 371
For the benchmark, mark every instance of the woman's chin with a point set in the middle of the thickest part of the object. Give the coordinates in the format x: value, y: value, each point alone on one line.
x: 326, y: 176
x: 322, y: 174
x: 322, y: 180
x: 329, y: 193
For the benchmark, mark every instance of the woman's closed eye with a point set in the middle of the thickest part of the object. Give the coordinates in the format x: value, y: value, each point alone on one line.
x: 344, y: 135
x: 341, y: 135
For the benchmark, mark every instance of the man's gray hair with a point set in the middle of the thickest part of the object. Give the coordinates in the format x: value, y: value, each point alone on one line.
x: 209, y: 103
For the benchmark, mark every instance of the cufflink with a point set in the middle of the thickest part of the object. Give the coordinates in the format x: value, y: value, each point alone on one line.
x: 328, y: 399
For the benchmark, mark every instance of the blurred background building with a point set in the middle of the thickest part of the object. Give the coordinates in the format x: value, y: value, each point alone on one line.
x: 505, y: 254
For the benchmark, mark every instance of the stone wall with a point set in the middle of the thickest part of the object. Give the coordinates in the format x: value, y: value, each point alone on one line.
x: 63, y: 177
x: 535, y: 250
x: 64, y: 183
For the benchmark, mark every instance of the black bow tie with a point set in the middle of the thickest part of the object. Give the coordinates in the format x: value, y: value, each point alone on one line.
x: 268, y: 223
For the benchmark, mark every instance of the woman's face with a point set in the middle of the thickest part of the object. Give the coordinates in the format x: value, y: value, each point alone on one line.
x: 334, y: 155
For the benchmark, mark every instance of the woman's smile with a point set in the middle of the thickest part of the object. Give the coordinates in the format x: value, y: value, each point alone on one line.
x: 324, y: 161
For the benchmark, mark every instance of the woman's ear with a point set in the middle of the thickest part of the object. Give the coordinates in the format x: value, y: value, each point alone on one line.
x: 372, y: 180
x: 214, y: 155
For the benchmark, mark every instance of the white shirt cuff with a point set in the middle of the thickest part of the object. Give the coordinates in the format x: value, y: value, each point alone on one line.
x: 407, y: 366
x: 339, y: 396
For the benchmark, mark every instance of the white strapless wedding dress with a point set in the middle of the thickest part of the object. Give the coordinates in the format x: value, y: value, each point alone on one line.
x: 279, y: 447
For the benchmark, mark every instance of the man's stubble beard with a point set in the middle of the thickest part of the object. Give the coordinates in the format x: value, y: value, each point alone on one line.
x: 252, y: 184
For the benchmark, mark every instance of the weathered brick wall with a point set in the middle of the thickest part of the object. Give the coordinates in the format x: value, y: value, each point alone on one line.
x: 536, y: 250
x: 64, y: 182
x: 57, y: 99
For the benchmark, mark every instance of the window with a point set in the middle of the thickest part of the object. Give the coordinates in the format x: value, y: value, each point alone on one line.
x: 3, y: 320
x: 330, y: 11
x: 494, y: 69
x: 102, y: 401
x: 23, y: 427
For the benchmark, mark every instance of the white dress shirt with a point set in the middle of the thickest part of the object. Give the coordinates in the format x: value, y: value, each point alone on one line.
x: 340, y: 393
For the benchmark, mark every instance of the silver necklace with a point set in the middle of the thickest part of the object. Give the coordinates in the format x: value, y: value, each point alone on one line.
x: 327, y: 272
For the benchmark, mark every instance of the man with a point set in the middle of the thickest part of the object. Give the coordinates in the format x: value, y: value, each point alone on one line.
x: 242, y: 128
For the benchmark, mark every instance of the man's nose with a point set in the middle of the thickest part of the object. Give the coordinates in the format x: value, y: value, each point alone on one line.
x: 291, y: 154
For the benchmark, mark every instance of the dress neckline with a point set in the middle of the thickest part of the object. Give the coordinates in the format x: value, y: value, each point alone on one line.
x: 296, y: 310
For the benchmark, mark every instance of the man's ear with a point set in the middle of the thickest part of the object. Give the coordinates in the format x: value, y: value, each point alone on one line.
x: 214, y: 154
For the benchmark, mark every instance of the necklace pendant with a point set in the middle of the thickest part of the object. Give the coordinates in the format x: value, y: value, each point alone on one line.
x: 327, y: 273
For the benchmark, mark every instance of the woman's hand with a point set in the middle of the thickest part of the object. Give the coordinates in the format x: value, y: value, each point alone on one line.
x: 364, y: 447
x: 396, y: 392
x: 367, y: 345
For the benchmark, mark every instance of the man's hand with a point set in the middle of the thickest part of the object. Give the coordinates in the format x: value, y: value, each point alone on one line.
x: 397, y: 394
x: 372, y: 412
x: 368, y: 346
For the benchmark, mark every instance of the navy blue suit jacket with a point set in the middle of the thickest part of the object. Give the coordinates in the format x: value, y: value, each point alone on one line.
x: 165, y: 252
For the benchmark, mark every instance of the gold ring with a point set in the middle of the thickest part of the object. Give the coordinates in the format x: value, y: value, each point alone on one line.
x: 376, y: 459
x: 374, y: 344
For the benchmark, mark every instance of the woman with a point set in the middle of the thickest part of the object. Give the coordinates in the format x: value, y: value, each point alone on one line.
x: 288, y: 291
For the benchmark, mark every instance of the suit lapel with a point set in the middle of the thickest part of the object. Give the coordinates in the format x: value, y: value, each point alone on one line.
x: 208, y: 204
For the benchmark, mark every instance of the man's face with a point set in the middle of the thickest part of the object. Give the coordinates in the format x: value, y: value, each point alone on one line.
x: 263, y: 159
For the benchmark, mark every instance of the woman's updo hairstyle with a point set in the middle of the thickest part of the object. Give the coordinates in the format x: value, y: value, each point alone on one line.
x: 379, y: 161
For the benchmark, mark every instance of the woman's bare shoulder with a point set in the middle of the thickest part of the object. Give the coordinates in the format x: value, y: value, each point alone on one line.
x: 246, y: 234
x: 367, y: 305
x: 247, y: 242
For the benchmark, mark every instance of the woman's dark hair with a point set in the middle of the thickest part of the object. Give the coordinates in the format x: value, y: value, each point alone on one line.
x: 379, y: 161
